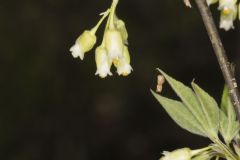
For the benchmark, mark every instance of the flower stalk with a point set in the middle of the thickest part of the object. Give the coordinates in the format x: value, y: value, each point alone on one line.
x: 104, y: 15
x: 220, y: 54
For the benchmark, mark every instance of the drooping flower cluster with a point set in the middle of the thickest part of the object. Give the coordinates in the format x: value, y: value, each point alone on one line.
x: 228, y: 12
x: 113, y: 49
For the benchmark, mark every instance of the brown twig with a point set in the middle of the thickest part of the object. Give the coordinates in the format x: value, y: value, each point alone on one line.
x: 220, y: 53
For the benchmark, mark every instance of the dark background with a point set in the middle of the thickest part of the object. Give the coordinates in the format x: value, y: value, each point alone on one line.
x: 52, y: 107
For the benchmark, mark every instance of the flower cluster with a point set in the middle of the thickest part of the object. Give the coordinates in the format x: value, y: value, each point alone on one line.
x: 229, y: 10
x: 113, y: 49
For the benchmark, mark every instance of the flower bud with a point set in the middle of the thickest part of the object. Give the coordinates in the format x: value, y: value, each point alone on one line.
x: 103, y: 62
x: 83, y: 44
x: 123, y: 64
x: 114, y: 44
x: 179, y: 154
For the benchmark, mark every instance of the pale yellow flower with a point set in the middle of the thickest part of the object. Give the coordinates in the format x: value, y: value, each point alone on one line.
x: 114, y: 44
x: 228, y: 13
x: 123, y: 64
x: 83, y: 44
x: 103, y: 62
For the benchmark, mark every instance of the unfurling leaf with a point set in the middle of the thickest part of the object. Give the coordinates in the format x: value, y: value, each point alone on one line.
x: 229, y: 126
x: 180, y: 114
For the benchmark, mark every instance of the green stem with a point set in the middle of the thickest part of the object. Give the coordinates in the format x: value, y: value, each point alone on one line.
x: 113, y: 9
x: 227, y: 151
x: 105, y: 14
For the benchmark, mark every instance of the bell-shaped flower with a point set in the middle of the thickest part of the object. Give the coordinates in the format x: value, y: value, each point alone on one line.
x: 103, y: 62
x: 228, y: 13
x: 123, y: 64
x: 114, y: 44
x: 227, y: 18
x: 83, y: 44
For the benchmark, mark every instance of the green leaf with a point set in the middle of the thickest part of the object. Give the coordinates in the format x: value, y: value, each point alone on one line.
x: 229, y: 126
x: 189, y: 99
x: 228, y: 129
x: 180, y: 114
x: 226, y: 105
x: 210, y: 109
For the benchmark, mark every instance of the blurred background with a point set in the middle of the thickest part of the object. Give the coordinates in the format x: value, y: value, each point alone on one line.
x: 53, y: 107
